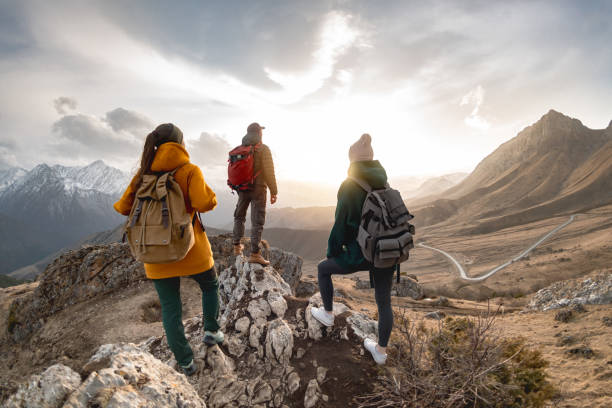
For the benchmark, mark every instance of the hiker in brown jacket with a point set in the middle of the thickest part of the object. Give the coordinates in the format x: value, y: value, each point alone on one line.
x: 264, y: 169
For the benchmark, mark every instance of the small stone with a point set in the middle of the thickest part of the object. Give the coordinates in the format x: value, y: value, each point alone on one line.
x: 582, y: 351
x: 293, y: 382
x: 325, y: 397
x: 311, y: 397
x: 300, y: 353
x: 564, y: 316
x: 242, y: 325
x: 607, y: 321
x: 263, y: 395
x: 321, y: 373
x: 566, y: 340
x: 579, y: 308
x: 437, y: 315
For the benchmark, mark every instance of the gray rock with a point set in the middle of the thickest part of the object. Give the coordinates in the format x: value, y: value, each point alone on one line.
x: 289, y: 265
x: 363, y: 326
x: 306, y: 289
x: 436, y: 315
x: 47, y: 390
x: 408, y: 287
x: 311, y: 397
x: 362, y: 284
x: 132, y: 377
x: 596, y: 290
x: 293, y: 382
x: 279, y: 342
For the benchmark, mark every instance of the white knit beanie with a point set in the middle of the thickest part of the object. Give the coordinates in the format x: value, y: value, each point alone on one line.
x: 362, y: 149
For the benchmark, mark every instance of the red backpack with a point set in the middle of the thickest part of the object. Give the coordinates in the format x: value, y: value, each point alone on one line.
x: 241, y: 168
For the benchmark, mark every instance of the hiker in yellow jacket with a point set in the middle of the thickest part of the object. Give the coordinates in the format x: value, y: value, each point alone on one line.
x: 164, y: 151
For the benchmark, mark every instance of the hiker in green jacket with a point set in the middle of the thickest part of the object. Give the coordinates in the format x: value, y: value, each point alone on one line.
x: 344, y: 255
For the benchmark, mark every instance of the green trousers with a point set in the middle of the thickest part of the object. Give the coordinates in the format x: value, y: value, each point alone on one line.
x: 169, y: 291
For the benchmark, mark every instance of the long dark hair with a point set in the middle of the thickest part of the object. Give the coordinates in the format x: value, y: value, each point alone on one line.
x: 164, y: 133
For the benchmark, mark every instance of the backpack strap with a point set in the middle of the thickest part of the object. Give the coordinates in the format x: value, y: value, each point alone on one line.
x: 363, y: 184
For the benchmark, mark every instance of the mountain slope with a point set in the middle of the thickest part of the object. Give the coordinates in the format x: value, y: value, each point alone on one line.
x: 555, y: 166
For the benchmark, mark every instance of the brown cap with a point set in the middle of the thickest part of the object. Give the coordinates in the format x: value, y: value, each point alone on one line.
x: 254, y: 127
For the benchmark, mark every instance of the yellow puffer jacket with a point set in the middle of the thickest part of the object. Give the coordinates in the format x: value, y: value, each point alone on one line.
x: 198, y: 197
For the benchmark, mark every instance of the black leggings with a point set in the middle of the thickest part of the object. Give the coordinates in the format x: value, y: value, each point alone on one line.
x: 383, y: 279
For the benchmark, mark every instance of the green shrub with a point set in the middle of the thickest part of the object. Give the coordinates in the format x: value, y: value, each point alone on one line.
x: 461, y: 363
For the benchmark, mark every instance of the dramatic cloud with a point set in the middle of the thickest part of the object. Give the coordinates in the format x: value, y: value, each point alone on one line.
x: 119, y: 134
x: 317, y: 73
x: 209, y: 150
x: 335, y: 38
x: 63, y: 104
x: 475, y: 98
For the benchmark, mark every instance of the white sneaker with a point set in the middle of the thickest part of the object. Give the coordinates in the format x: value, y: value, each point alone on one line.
x: 379, y: 357
x: 322, y: 316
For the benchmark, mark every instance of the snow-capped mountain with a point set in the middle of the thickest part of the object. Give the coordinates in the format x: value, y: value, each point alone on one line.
x: 9, y: 176
x: 55, y: 206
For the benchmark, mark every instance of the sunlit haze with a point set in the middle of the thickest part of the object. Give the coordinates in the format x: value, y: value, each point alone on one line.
x: 438, y: 85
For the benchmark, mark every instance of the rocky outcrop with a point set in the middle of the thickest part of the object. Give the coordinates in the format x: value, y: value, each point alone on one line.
x: 94, y: 270
x: 267, y: 334
x: 274, y: 354
x: 288, y: 264
x: 595, y: 290
x: 71, y: 278
x: 120, y: 376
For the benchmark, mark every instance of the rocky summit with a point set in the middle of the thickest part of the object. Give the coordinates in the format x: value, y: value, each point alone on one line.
x: 274, y: 354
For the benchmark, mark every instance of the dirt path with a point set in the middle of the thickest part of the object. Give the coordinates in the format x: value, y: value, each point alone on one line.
x: 492, y: 272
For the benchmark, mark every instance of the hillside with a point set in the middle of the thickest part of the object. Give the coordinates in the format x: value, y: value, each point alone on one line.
x: 556, y: 166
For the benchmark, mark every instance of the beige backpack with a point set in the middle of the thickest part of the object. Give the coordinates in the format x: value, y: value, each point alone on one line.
x: 159, y: 229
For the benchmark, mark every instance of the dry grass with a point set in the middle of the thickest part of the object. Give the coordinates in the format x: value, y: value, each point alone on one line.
x: 460, y: 363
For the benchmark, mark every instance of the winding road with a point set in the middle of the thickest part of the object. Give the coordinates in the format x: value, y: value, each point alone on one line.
x: 502, y: 266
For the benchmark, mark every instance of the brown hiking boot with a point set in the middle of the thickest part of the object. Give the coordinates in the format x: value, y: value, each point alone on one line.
x: 238, y: 249
x: 257, y: 258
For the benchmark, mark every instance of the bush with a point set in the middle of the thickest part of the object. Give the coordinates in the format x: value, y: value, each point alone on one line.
x: 461, y: 363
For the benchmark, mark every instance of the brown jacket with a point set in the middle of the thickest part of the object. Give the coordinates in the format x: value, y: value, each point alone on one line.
x: 264, y: 164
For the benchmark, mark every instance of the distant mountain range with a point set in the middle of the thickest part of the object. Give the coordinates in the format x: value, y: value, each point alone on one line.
x: 50, y: 207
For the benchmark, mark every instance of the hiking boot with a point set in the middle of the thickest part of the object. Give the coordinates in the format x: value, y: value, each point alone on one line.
x: 379, y: 357
x: 238, y: 249
x: 258, y: 259
x: 322, y: 316
x: 212, y: 338
x: 190, y: 369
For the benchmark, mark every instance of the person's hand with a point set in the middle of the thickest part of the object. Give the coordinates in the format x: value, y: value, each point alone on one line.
x: 272, y: 199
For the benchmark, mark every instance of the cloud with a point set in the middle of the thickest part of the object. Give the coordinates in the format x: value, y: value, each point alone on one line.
x: 63, y: 104
x: 119, y: 134
x: 475, y: 97
x: 7, y: 157
x: 337, y: 36
x: 209, y: 150
x: 124, y: 120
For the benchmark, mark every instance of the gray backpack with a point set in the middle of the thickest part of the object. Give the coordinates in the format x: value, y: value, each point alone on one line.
x: 385, y: 235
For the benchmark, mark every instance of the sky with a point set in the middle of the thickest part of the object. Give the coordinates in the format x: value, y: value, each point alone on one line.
x: 438, y: 84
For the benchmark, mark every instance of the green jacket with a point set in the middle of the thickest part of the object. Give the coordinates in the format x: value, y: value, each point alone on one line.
x: 342, y: 244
